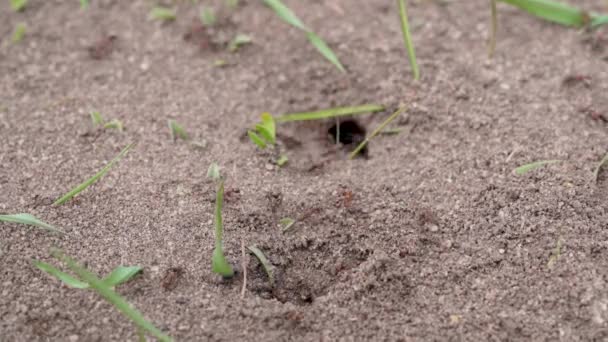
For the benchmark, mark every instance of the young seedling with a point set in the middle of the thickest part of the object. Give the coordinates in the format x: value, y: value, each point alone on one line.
x: 177, y: 131
x: 106, y: 291
x: 219, y: 264
x: 162, y: 14
x: 119, y: 275
x: 599, y: 167
x: 407, y: 38
x: 114, y: 124
x: 287, y: 223
x: 282, y: 160
x: 330, y: 113
x: 533, y: 166
x: 268, y: 268
x: 558, y: 12
x: 288, y: 16
x: 18, y: 33
x: 29, y: 220
x: 84, y: 4
x: 18, y: 5
x: 378, y: 129
x: 238, y: 41
x: 93, y: 179
x: 265, y: 132
x: 214, y: 172
x: 207, y: 16
x: 96, y: 118
x: 555, y: 254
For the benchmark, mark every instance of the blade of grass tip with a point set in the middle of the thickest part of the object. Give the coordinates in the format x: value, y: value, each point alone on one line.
x: 264, y: 261
x: 553, y: 11
x: 111, y: 296
x: 96, y: 118
x: 93, y: 179
x: 219, y: 264
x: 325, y: 50
x: 64, y: 277
x: 378, y: 129
x: 407, y: 38
x: 533, y: 166
x: 121, y: 274
x: 29, y: 220
x: 603, y: 162
x: 599, y: 20
x: 494, y: 29
x: 285, y: 13
x: 330, y: 113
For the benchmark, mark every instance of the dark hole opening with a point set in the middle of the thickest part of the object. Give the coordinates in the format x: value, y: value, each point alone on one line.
x: 350, y: 134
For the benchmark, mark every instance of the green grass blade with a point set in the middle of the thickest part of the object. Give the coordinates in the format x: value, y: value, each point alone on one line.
x: 533, y: 166
x: 93, y: 179
x: 264, y: 261
x: 64, y: 277
x: 162, y: 13
x: 219, y: 264
x: 407, y: 38
x: 553, y: 11
x: 329, y: 113
x: 378, y: 129
x: 270, y: 126
x: 114, y: 124
x: 18, y: 33
x: 285, y: 13
x: 18, y: 5
x: 494, y: 28
x: 121, y: 274
x: 287, y: 223
x: 599, y: 20
x: 96, y: 118
x: 256, y: 139
x: 599, y: 167
x: 111, y: 296
x: 84, y: 4
x: 214, y: 172
x: 325, y: 50
x: 177, y: 131
x: 239, y: 40
x: 29, y: 220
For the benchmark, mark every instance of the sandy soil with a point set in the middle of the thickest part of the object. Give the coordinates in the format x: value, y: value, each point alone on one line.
x: 432, y: 237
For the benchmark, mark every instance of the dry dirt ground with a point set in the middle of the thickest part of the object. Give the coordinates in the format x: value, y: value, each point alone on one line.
x: 432, y: 237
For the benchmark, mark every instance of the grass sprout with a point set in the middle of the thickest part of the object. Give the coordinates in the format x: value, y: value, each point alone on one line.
x: 286, y: 223
x: 119, y: 275
x: 214, y: 172
x: 265, y: 131
x: 207, y: 16
x: 378, y: 129
x: 177, y: 131
x: 407, y: 38
x: 106, y: 291
x: 18, y: 33
x: 29, y: 220
x: 282, y: 160
x: 238, y: 41
x: 268, y: 268
x: 114, y: 124
x: 599, y: 167
x: 93, y: 179
x: 163, y: 14
x: 84, y: 4
x: 288, y: 16
x: 219, y: 264
x: 18, y: 5
x: 557, y: 12
x: 96, y: 118
x: 330, y: 113
x: 533, y: 166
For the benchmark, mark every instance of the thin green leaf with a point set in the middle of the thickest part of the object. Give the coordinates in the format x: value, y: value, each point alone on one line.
x: 599, y: 167
x: 93, y: 179
x: 114, y: 124
x: 18, y: 5
x: 285, y: 13
x: 270, y: 126
x: 407, y: 38
x: 18, y: 33
x: 287, y: 223
x: 238, y: 41
x: 207, y: 16
x: 553, y: 11
x: 219, y: 264
x: 268, y: 268
x: 533, y: 166
x: 256, y: 139
x: 282, y: 160
x: 325, y: 50
x: 64, y: 277
x: 214, y: 172
x: 121, y: 274
x: 84, y: 4
x: 378, y: 129
x: 96, y: 118
x: 111, y: 296
x: 177, y: 131
x: 494, y: 26
x: 162, y: 13
x: 29, y: 220
x: 330, y: 113
x: 599, y: 20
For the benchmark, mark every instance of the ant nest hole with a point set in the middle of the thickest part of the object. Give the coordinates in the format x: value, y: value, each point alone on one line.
x: 349, y: 133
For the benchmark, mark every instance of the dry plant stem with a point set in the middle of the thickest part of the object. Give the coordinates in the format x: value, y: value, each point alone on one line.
x: 492, y: 45
x: 244, y: 266
x: 376, y: 131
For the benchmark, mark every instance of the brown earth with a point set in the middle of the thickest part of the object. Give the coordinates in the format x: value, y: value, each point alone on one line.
x: 432, y: 237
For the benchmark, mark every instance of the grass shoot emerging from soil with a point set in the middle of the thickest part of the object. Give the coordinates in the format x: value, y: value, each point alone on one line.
x: 29, y: 220
x: 162, y: 14
x: 286, y: 223
x: 238, y: 41
x: 407, y: 38
x: 18, y: 5
x: 265, y: 132
x: 264, y: 261
x: 598, y: 168
x: 177, y: 131
x: 378, y: 129
x: 93, y: 179
x: 288, y: 16
x: 105, y: 290
x: 330, y: 113
x: 18, y: 33
x: 219, y: 264
x: 533, y: 166
x: 119, y: 275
